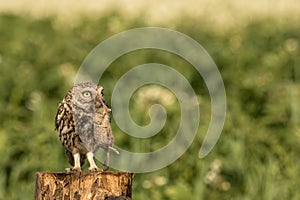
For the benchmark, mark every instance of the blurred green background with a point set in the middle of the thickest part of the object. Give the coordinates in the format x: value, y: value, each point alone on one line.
x: 255, y: 46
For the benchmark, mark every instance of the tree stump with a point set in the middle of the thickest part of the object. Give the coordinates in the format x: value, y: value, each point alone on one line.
x: 83, y: 185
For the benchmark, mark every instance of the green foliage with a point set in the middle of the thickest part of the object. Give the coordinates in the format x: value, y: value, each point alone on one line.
x: 256, y: 156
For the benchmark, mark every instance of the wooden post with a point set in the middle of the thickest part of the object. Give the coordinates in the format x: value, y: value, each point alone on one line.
x: 83, y: 185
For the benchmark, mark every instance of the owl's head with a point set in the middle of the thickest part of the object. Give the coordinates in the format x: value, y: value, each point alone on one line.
x: 86, y: 95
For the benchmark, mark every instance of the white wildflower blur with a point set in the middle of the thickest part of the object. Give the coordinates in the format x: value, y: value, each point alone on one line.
x: 155, y: 181
x: 291, y: 44
x: 214, y: 177
x: 35, y: 100
x: 155, y: 94
x: 67, y: 71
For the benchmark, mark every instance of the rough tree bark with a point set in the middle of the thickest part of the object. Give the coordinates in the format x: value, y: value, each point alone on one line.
x: 83, y: 185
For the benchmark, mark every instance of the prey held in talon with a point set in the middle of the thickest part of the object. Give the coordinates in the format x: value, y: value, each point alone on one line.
x: 83, y: 124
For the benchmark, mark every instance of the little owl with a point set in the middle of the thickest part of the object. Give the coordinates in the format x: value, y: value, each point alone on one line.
x: 83, y: 123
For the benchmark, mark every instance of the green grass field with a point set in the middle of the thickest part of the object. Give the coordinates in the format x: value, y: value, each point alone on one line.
x: 257, y: 156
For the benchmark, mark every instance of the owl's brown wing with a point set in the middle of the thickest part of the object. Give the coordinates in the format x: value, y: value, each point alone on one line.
x: 64, y: 113
x: 64, y: 119
x: 59, y: 116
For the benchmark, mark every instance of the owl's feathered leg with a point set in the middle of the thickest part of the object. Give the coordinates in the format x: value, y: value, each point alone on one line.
x: 77, y: 166
x: 75, y: 160
x: 90, y: 157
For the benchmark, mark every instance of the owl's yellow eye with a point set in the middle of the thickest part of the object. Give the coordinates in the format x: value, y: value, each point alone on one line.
x: 86, y: 94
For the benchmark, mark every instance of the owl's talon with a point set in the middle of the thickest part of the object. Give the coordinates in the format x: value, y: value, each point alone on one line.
x: 76, y: 169
x: 68, y: 170
x: 105, y: 167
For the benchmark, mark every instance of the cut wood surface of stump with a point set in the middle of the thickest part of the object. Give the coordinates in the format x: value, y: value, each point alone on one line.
x: 83, y: 185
